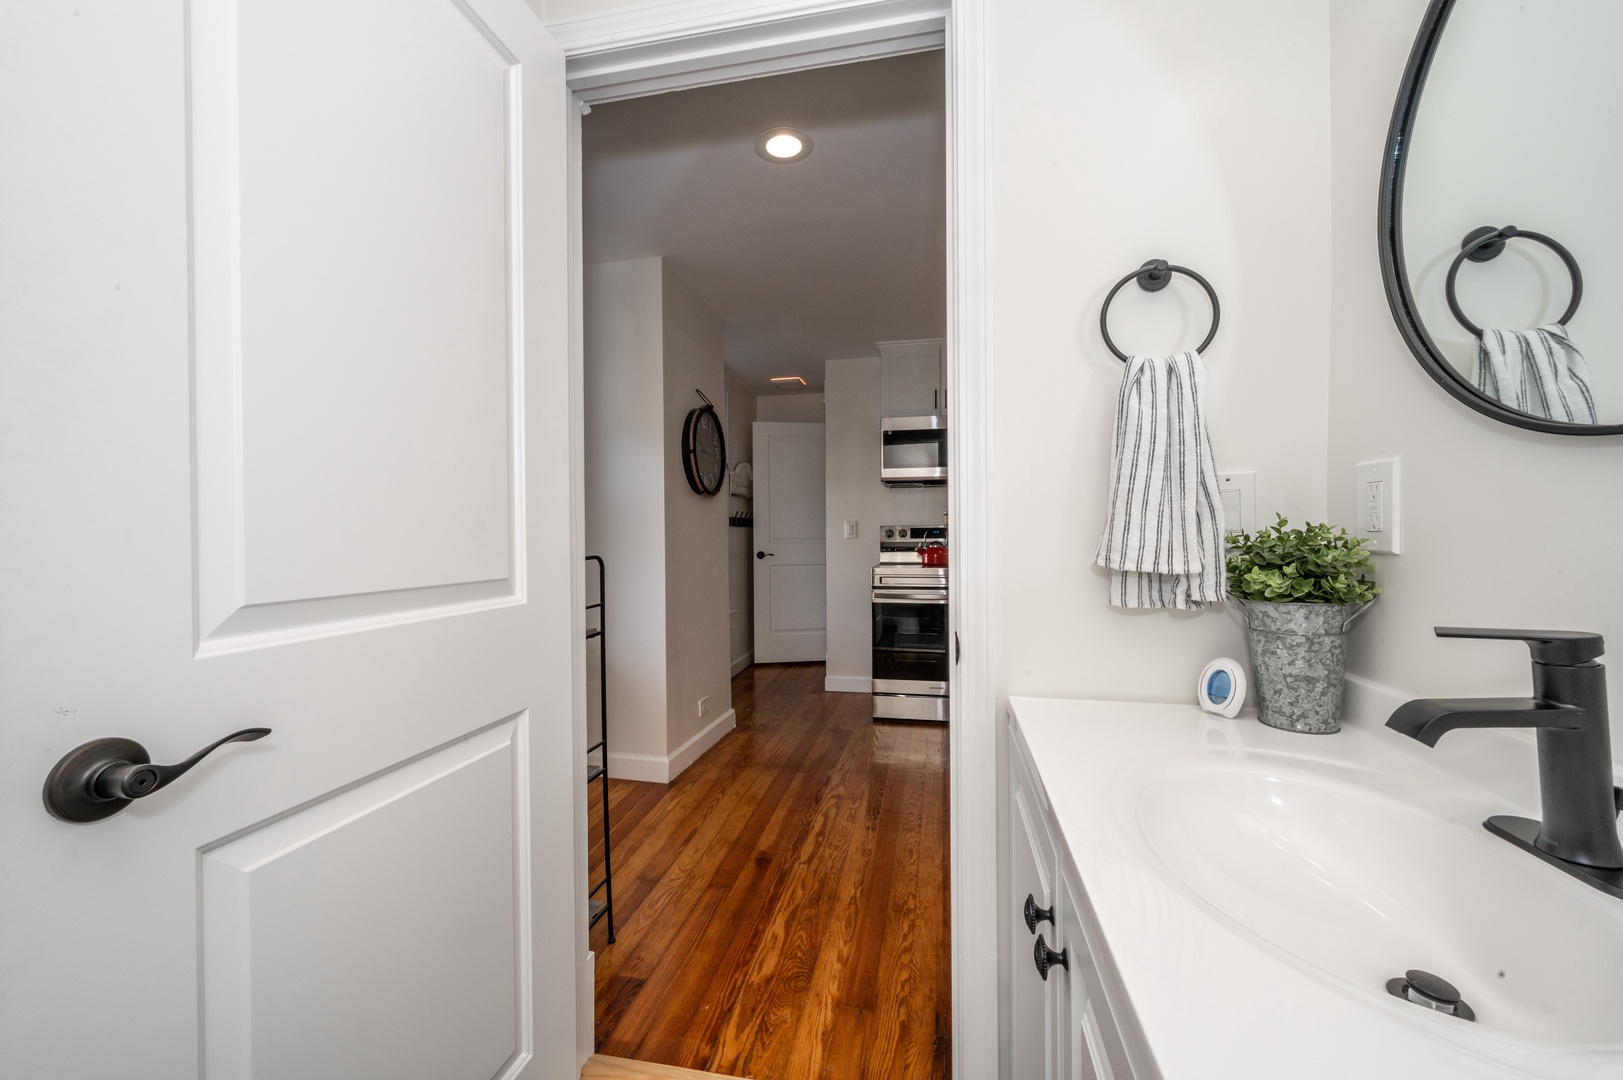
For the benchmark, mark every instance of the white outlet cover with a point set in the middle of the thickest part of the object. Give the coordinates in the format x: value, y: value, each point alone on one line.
x: 1377, y: 498
x: 1237, y: 497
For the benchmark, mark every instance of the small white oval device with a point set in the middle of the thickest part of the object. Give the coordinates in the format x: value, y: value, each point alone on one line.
x: 1222, y: 687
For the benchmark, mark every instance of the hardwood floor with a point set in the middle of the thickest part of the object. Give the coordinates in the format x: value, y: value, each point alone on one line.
x: 782, y: 906
x: 599, y: 1067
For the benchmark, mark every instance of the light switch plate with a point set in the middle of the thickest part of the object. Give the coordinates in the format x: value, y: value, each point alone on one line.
x: 850, y: 529
x: 1376, y: 502
x: 1237, y: 495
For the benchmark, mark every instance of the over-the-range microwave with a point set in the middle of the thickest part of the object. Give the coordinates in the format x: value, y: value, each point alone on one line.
x: 913, y: 450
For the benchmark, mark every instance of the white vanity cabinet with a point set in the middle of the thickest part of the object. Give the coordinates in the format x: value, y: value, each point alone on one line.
x: 1062, y: 1027
x: 913, y: 381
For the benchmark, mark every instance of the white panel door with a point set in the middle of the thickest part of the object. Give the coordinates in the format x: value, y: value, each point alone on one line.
x: 284, y: 386
x: 791, y: 573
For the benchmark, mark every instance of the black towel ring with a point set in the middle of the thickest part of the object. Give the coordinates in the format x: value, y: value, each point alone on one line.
x: 1153, y: 277
x: 1486, y: 243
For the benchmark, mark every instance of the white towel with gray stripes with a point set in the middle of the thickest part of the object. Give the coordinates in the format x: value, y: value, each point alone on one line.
x: 1163, y: 541
x: 1538, y: 372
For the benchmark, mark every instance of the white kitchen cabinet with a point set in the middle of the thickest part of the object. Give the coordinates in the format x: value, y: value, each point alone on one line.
x: 914, y: 376
x: 1064, y: 1027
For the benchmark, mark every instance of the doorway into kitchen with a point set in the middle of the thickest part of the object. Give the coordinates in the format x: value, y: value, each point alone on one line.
x: 780, y: 869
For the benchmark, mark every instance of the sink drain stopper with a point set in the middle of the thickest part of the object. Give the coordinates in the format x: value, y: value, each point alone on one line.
x: 1431, y: 992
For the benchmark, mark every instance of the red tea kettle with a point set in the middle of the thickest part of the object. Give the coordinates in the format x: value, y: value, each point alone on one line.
x: 934, y: 554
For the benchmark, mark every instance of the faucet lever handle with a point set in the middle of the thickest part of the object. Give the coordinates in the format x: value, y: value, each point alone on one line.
x: 1563, y: 648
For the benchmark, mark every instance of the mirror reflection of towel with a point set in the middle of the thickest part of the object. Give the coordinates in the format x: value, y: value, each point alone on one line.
x: 1538, y: 372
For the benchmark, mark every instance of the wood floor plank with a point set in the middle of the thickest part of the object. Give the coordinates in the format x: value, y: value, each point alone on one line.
x: 599, y: 1067
x: 782, y: 975
x: 711, y: 921
x: 688, y: 901
x: 782, y: 907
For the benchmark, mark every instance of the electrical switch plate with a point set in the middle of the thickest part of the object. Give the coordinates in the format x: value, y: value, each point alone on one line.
x: 704, y: 704
x: 850, y: 529
x: 1375, y: 505
x: 1237, y: 494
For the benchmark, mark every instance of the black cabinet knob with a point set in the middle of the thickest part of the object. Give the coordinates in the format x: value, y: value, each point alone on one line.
x: 1047, y: 958
x: 103, y: 776
x: 1035, y: 914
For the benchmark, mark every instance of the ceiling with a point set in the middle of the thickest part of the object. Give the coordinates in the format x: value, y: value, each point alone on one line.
x: 810, y: 261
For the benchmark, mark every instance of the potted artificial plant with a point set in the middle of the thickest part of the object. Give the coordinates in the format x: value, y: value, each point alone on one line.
x: 1299, y: 590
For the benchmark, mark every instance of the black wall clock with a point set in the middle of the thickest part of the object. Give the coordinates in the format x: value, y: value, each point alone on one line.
x: 704, y: 449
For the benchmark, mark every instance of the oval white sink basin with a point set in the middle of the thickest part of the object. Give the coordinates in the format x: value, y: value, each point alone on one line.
x: 1363, y: 877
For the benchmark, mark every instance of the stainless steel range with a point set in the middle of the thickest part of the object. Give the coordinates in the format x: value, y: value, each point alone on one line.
x: 911, y: 654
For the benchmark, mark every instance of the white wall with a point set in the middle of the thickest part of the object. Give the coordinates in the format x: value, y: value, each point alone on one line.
x: 649, y: 343
x: 854, y: 491
x: 789, y: 408
x: 1123, y: 131
x: 1501, y: 527
x: 696, y: 600
x: 625, y: 483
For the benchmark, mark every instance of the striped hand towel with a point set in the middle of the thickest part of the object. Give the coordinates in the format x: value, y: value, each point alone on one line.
x: 1538, y: 372
x: 1163, y: 541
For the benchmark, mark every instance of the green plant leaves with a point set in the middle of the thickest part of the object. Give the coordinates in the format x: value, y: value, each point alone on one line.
x: 1316, y: 564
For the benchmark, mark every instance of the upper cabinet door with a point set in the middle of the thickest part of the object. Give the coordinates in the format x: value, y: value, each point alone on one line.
x: 913, y: 380
x: 284, y: 393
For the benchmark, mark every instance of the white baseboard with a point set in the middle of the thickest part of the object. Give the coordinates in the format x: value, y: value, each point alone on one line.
x: 648, y: 768
x: 744, y: 661
x: 653, y: 769
x: 847, y: 684
x: 694, y: 748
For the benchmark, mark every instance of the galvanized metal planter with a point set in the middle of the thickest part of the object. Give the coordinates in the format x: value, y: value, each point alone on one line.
x: 1299, y: 659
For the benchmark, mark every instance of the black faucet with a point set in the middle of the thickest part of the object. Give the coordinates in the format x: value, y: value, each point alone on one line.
x: 1578, y: 832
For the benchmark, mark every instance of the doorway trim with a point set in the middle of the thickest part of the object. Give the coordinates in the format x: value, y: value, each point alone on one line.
x: 660, y: 47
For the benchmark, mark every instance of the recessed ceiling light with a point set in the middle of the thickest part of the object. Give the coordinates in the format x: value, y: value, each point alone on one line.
x: 787, y: 379
x: 781, y: 145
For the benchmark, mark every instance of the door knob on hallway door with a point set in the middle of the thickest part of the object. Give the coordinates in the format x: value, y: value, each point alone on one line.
x: 103, y: 776
x: 764, y: 555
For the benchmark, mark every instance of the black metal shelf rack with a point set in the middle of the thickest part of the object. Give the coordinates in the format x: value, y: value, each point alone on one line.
x: 600, y: 770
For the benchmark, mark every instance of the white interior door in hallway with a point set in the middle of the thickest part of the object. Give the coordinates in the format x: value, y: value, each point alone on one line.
x: 285, y: 350
x: 791, y: 573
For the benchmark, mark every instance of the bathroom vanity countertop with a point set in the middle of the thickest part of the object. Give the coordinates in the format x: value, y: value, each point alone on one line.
x: 1213, y: 999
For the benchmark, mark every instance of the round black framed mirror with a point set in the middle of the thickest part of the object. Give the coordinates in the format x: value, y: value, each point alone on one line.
x: 1497, y: 222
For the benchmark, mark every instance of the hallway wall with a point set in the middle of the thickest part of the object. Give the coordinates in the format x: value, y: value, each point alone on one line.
x: 625, y: 476
x: 649, y: 343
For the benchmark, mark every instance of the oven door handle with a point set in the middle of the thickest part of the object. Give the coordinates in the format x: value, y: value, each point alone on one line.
x: 904, y: 596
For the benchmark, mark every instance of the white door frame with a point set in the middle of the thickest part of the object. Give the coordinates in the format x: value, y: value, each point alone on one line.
x: 656, y: 47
